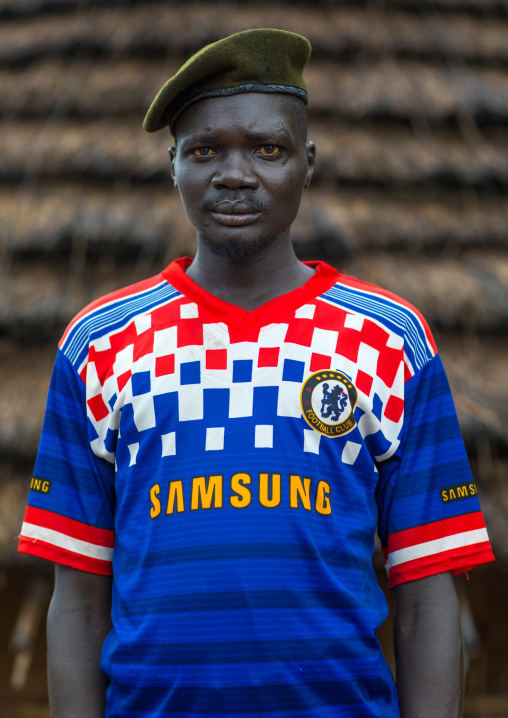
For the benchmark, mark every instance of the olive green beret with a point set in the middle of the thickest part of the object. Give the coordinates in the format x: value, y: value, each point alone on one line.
x: 260, y: 60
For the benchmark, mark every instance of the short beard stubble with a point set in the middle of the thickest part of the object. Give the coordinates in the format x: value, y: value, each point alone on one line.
x: 236, y: 249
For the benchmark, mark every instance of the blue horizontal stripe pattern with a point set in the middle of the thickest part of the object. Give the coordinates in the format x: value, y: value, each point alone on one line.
x: 197, y: 653
x: 64, y: 451
x: 431, y: 455
x: 258, y: 700
x: 231, y: 601
x: 228, y: 552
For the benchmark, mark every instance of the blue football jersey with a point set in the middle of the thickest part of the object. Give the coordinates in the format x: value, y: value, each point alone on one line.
x: 230, y: 469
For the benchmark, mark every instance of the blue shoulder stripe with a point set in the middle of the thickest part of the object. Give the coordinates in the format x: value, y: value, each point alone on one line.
x: 112, y: 317
x: 397, y: 318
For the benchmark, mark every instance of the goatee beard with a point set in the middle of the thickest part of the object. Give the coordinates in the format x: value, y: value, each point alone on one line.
x: 236, y: 249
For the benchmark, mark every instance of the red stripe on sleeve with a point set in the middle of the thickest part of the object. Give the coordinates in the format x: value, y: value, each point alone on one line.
x: 456, y: 560
x: 36, y: 547
x: 435, y: 530
x: 70, y: 527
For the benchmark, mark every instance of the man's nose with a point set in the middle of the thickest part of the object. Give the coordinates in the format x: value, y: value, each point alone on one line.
x: 235, y: 172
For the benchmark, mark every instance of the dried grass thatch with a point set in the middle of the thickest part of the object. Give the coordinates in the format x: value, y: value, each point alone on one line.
x: 478, y: 374
x: 334, y: 31
x: 348, y: 221
x: 24, y: 393
x: 381, y: 89
x: 468, y: 294
x: 118, y: 221
x: 14, y: 485
x: 40, y: 300
x: 24, y: 8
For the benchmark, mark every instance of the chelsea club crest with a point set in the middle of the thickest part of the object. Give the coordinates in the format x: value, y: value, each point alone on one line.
x: 328, y: 399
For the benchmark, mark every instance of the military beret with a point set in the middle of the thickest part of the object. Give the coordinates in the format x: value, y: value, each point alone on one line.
x: 261, y: 60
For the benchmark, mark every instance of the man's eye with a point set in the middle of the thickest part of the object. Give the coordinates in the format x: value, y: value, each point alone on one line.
x: 269, y: 150
x: 202, y: 152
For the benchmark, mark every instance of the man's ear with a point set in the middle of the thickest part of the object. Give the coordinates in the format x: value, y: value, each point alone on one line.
x: 172, y: 154
x: 310, y: 149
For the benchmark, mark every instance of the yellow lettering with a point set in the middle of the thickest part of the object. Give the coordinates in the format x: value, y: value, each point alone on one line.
x: 156, y: 504
x: 472, y: 489
x: 314, y: 419
x: 444, y: 495
x: 462, y: 491
x: 42, y: 486
x: 238, y: 485
x: 202, y: 493
x: 323, y: 498
x: 297, y: 491
x: 452, y: 494
x: 175, y: 491
x: 270, y: 503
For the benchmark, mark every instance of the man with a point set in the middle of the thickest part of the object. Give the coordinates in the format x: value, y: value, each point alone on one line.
x: 237, y: 428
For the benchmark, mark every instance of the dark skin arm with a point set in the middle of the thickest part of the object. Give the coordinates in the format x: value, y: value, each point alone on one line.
x: 79, y: 619
x: 428, y: 648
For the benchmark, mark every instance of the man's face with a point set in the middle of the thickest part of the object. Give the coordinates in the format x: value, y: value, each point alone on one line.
x: 241, y: 164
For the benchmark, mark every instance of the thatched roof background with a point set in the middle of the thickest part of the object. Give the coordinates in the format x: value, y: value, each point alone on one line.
x: 409, y: 110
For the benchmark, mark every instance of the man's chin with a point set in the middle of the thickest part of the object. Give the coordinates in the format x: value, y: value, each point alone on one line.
x: 235, y: 248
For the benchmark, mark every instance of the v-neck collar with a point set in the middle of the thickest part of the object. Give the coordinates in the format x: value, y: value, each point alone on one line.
x: 243, y: 320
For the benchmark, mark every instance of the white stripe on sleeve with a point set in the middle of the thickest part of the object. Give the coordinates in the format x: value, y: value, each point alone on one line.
x: 68, y: 543
x: 429, y: 548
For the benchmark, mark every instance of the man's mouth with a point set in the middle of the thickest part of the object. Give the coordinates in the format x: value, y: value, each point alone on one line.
x: 234, y: 213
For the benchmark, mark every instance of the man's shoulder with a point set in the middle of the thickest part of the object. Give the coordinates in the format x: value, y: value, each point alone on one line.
x: 365, y: 302
x: 109, y: 313
x: 364, y: 295
x: 375, y: 302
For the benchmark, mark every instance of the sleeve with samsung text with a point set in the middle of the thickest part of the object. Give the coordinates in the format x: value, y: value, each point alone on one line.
x: 69, y: 517
x: 430, y: 517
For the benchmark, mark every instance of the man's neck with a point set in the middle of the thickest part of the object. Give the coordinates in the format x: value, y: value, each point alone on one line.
x: 248, y: 283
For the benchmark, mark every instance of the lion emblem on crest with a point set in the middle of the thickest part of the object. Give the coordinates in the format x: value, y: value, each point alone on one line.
x: 333, y: 402
x: 327, y: 400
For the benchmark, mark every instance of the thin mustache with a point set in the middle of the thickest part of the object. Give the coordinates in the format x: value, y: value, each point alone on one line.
x: 222, y: 199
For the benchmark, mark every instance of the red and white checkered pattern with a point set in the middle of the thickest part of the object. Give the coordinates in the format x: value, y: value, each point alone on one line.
x: 319, y: 334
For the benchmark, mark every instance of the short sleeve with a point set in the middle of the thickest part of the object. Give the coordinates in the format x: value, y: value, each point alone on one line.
x: 70, y: 513
x: 429, y: 514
